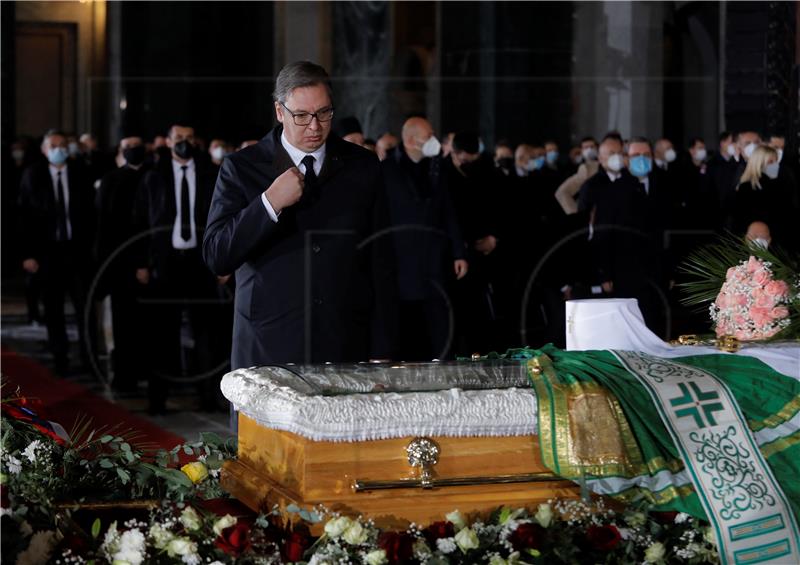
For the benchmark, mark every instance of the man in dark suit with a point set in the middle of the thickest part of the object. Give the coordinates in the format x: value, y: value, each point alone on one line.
x: 172, y: 205
x: 627, y: 210
x: 57, y: 223
x: 427, y: 240
x: 116, y: 254
x: 299, y: 218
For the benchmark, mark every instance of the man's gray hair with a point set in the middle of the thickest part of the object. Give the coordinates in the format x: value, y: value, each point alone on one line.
x: 298, y: 75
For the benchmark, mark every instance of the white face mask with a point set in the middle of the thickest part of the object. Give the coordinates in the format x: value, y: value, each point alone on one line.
x: 700, y: 154
x: 18, y: 154
x: 217, y: 153
x: 670, y: 155
x: 731, y: 150
x: 432, y: 147
x: 590, y: 154
x: 748, y: 149
x: 614, y: 163
x: 760, y: 242
x: 772, y: 170
x: 73, y: 148
x: 780, y: 154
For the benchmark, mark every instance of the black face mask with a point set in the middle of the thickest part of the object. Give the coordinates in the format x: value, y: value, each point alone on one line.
x: 134, y: 155
x: 506, y: 163
x: 183, y: 149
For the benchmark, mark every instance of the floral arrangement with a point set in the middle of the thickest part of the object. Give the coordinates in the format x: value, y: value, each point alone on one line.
x: 187, y: 518
x: 751, y: 293
x: 751, y: 304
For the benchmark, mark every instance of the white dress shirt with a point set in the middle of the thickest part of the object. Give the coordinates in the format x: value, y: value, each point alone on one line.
x: 177, y: 241
x: 65, y: 183
x: 297, y: 157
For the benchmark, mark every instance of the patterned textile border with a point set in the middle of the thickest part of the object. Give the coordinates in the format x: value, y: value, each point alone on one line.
x: 749, y: 511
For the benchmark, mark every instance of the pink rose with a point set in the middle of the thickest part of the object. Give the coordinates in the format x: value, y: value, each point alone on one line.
x: 740, y: 321
x: 762, y: 277
x: 769, y: 333
x: 778, y: 289
x: 762, y: 299
x: 722, y: 300
x: 753, y: 265
x: 741, y: 334
x: 740, y: 299
x: 760, y: 316
x: 732, y: 273
x: 779, y: 313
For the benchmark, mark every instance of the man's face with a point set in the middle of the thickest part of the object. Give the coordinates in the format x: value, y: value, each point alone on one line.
x: 54, y: 141
x: 178, y: 134
x: 502, y: 152
x: 309, y: 100
x: 698, y: 145
x: 777, y: 142
x: 662, y: 146
x: 550, y: 147
x: 637, y: 148
x: 159, y: 141
x: 746, y: 138
x: 461, y: 158
x: 723, y: 145
x: 588, y: 145
x: 130, y: 142
x: 608, y: 148
x: 522, y: 156
x: 537, y: 151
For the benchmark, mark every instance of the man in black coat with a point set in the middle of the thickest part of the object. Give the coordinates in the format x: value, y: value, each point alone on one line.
x: 116, y: 256
x: 299, y: 217
x: 172, y: 206
x: 57, y: 222
x: 427, y: 239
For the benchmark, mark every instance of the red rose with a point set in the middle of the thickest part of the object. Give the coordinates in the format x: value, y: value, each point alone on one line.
x: 438, y: 530
x: 603, y: 538
x: 296, y: 544
x: 399, y: 547
x: 527, y: 536
x: 234, y: 540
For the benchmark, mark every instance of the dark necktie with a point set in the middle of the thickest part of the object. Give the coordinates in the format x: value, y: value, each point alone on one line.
x: 186, y: 223
x: 61, y: 211
x: 310, y: 175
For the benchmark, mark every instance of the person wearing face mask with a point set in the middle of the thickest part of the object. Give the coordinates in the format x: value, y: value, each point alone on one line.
x: 504, y: 158
x: 758, y: 234
x: 567, y: 192
x: 552, y: 158
x: 116, y: 252
x: 96, y: 161
x: 216, y: 150
x: 762, y: 195
x: 690, y: 200
x: 665, y: 154
x: 786, y: 172
x: 721, y: 175
x: 301, y: 219
x: 57, y: 225
x: 172, y: 205
x: 428, y: 242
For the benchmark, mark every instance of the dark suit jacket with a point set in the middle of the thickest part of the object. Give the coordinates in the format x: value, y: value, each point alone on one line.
x: 37, y: 212
x: 318, y: 284
x: 155, y: 211
x: 115, y: 202
x: 628, y: 225
x: 426, y: 234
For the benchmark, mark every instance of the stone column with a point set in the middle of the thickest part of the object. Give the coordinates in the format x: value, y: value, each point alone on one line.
x: 618, y: 68
x: 303, y: 31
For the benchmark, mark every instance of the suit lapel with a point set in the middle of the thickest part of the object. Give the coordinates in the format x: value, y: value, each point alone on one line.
x: 333, y: 161
x: 170, y: 208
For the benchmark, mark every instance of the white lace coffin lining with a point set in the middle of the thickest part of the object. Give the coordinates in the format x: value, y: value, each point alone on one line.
x: 274, y: 398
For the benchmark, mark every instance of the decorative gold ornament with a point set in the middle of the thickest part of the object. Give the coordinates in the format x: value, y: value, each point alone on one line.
x: 729, y: 344
x: 476, y: 356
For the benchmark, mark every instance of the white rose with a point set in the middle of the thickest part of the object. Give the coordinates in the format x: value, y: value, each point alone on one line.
x: 131, y: 547
x: 709, y: 537
x: 377, y: 557
x: 225, y: 522
x: 160, y: 536
x: 681, y: 517
x: 655, y: 553
x: 636, y: 519
x: 544, y: 515
x: 181, y: 546
x: 467, y: 539
x: 456, y: 519
x: 355, y: 534
x: 191, y: 519
x: 337, y: 526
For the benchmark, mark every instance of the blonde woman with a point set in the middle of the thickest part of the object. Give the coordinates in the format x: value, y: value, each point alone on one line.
x: 762, y: 196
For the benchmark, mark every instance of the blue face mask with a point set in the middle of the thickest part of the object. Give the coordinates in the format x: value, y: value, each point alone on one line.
x: 552, y: 157
x: 538, y: 163
x: 641, y: 166
x: 57, y: 155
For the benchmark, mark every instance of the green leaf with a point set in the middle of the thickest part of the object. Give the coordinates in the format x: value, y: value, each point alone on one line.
x: 125, y: 447
x: 106, y: 439
x: 293, y: 508
x: 106, y: 464
x: 96, y: 528
x: 188, y: 450
x: 123, y: 475
x: 130, y: 456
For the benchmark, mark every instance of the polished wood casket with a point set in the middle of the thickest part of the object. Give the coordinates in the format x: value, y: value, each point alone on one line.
x: 398, y: 444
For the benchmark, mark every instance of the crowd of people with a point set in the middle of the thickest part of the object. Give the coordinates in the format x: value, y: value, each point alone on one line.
x: 485, y: 245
